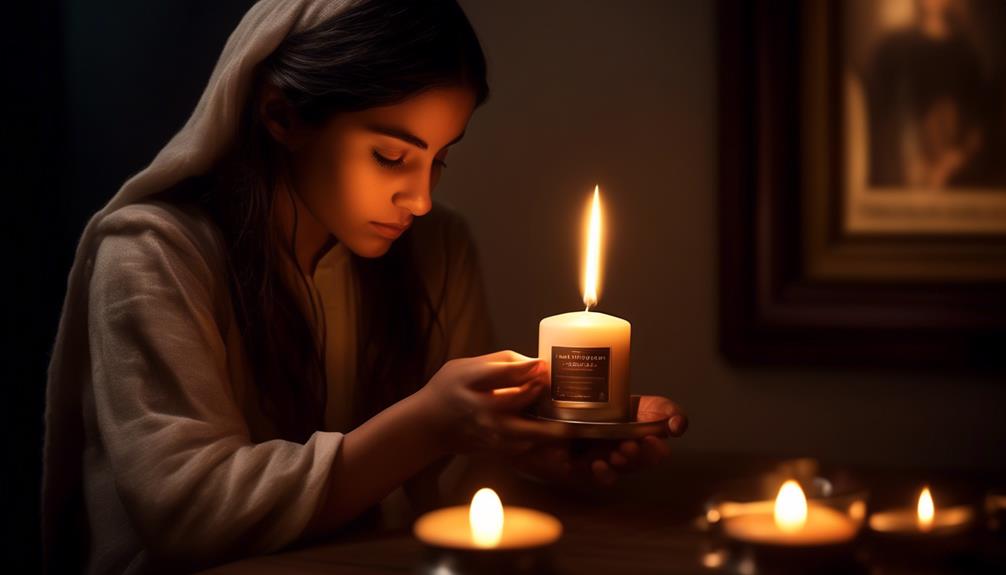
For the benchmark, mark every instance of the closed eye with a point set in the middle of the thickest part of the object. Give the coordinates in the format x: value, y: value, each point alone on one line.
x: 388, y: 162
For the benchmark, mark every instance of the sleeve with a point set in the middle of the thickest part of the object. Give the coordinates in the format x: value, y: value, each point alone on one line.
x: 192, y: 482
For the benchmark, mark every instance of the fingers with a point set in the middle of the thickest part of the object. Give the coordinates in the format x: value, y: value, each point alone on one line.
x: 514, y: 399
x: 630, y: 449
x: 486, y: 435
x: 678, y: 425
x: 603, y: 473
x: 496, y: 374
x: 549, y: 461
x: 516, y: 425
x: 631, y: 454
x: 506, y: 355
x: 600, y: 462
x: 626, y: 456
x: 654, y: 450
x: 661, y: 404
x: 657, y: 407
x: 616, y: 459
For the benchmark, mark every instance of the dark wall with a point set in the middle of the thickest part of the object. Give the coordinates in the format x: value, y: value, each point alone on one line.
x: 33, y: 118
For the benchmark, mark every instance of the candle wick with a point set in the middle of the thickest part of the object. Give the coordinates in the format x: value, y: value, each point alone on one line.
x: 587, y: 309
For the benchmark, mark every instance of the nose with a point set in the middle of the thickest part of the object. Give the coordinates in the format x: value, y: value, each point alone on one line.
x: 417, y: 200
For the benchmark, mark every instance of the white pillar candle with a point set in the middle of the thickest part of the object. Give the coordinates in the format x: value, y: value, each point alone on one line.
x: 587, y: 353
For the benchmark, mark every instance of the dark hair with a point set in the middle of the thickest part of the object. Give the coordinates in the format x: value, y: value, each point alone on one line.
x: 372, y: 53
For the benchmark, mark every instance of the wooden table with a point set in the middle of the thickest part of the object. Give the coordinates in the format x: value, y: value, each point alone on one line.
x: 647, y: 524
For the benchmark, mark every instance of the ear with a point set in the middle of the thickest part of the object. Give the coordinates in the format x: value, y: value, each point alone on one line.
x: 280, y: 118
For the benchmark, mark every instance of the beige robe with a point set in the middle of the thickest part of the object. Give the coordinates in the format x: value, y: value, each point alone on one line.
x: 178, y: 460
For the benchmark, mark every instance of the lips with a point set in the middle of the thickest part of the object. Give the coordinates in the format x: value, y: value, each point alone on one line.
x: 390, y: 231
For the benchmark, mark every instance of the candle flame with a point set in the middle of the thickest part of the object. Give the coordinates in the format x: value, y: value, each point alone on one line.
x: 790, y: 507
x: 485, y: 517
x: 592, y: 262
x: 926, y: 509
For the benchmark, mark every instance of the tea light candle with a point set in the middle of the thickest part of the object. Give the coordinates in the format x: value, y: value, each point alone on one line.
x: 486, y: 537
x: 789, y: 522
x: 925, y: 521
x: 586, y: 352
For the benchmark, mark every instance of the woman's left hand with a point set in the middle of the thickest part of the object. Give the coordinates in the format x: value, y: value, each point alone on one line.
x: 602, y: 461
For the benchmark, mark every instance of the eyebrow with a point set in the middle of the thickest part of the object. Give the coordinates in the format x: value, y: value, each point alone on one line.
x: 407, y: 136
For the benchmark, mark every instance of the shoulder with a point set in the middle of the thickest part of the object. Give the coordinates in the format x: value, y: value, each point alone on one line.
x: 156, y: 239
x: 182, y: 228
x: 183, y: 224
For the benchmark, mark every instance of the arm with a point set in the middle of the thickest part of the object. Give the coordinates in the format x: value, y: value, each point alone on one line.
x: 195, y: 486
x: 375, y: 458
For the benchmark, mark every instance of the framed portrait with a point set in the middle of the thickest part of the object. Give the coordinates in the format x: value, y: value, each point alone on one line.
x: 923, y: 91
x: 863, y: 181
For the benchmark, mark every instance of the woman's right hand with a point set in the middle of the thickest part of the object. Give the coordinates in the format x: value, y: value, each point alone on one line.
x: 470, y: 400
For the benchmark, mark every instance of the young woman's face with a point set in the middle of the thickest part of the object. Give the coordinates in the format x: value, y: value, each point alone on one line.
x: 365, y: 175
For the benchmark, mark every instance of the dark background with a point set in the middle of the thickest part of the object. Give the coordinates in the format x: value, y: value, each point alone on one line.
x: 621, y: 94
x: 93, y: 91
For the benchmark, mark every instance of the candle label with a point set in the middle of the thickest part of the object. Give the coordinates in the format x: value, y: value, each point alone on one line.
x: 580, y: 373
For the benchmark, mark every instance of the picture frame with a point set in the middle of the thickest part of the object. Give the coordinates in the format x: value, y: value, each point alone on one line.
x: 798, y: 285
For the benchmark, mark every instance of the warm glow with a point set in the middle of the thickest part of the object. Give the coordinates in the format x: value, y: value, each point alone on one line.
x: 857, y: 510
x: 485, y: 517
x: 926, y: 510
x: 714, y: 559
x: 790, y: 507
x: 713, y: 516
x: 592, y: 263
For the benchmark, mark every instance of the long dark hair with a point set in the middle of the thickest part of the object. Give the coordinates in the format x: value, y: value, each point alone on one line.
x: 372, y: 53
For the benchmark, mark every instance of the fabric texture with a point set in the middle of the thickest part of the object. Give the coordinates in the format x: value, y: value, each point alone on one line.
x: 154, y: 447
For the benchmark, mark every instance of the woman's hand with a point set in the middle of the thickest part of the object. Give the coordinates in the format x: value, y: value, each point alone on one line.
x: 602, y: 461
x: 470, y: 400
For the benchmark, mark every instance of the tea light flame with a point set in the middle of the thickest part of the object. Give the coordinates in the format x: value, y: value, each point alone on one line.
x: 790, y: 507
x: 592, y: 262
x: 485, y: 517
x: 926, y: 510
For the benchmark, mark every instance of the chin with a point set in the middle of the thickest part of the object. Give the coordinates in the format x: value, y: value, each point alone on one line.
x: 370, y: 249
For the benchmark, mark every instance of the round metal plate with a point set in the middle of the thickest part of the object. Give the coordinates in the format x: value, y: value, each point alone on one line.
x: 601, y: 429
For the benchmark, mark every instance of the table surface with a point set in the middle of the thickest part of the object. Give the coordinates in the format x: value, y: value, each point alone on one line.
x: 648, y: 523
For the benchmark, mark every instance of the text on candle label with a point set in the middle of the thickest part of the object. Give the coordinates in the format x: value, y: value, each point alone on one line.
x: 580, y: 373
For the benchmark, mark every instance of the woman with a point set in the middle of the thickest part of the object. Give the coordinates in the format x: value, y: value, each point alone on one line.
x: 272, y: 328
